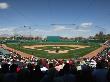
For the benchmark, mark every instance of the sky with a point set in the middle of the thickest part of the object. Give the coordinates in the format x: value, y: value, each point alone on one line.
x: 69, y: 18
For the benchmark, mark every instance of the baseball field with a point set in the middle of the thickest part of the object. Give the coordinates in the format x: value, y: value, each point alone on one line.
x: 58, y: 50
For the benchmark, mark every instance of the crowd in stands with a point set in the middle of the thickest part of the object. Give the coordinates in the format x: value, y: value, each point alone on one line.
x: 21, y: 69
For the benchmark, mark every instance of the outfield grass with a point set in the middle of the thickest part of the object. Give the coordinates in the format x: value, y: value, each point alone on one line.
x: 45, y: 54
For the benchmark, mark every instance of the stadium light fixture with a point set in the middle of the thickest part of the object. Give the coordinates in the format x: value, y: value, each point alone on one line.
x: 29, y: 27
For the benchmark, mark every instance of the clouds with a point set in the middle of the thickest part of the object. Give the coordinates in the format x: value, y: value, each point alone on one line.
x: 88, y: 24
x: 68, y: 30
x: 7, y: 30
x: 56, y: 30
x: 84, y: 26
x: 4, y: 5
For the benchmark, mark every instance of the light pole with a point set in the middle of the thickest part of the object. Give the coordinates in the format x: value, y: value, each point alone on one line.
x: 29, y: 27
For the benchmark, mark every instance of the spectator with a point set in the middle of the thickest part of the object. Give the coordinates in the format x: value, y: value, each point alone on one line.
x: 100, y: 73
